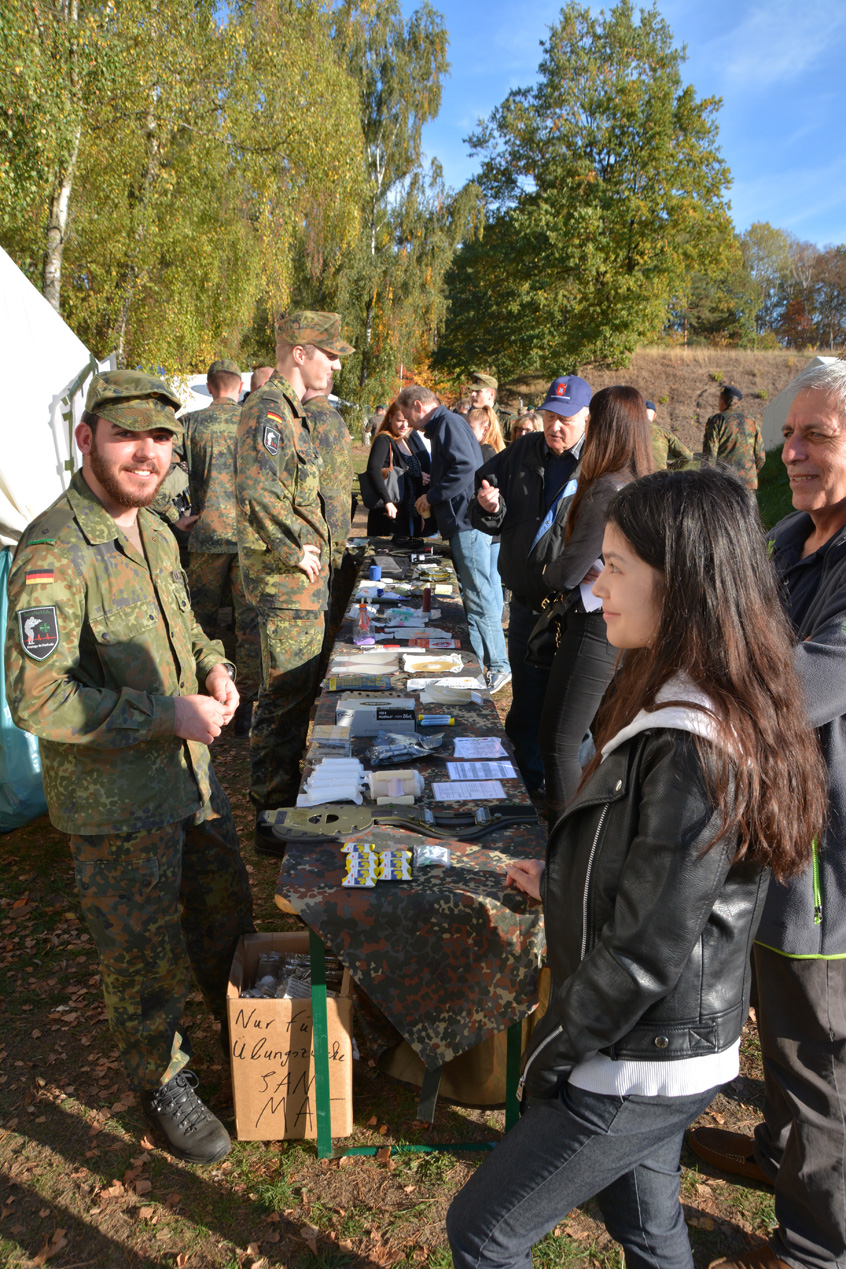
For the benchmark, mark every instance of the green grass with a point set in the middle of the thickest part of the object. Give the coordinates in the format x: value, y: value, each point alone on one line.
x: 774, y: 500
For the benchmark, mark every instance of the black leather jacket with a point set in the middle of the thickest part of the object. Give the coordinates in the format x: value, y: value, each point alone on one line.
x: 519, y: 472
x: 648, y: 931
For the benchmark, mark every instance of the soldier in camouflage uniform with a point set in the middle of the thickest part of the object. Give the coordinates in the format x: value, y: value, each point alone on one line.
x: 284, y: 548
x: 213, y: 545
x: 666, y: 446
x: 106, y: 664
x: 735, y: 439
x: 334, y: 445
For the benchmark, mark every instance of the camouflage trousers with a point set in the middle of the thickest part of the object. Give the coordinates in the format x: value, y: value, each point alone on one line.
x: 342, y: 579
x: 207, y: 577
x: 153, y: 902
x: 291, y: 641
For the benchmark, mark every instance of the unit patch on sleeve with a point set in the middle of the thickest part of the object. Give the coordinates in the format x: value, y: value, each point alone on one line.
x: 39, y: 629
x: 270, y: 439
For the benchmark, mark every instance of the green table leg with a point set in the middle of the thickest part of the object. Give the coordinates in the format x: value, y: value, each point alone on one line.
x: 320, y: 1037
x: 513, y: 1053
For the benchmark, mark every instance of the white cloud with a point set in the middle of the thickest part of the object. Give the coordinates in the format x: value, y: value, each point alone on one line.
x: 775, y: 43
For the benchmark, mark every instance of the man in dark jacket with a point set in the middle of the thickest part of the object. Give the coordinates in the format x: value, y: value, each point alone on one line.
x: 456, y: 457
x: 524, y: 494
x: 800, y: 953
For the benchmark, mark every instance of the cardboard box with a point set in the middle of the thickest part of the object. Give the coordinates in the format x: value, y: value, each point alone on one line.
x: 272, y: 1052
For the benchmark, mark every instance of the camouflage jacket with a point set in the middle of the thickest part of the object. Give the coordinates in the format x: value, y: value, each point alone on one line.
x: 666, y: 447
x: 279, y: 509
x: 210, y: 450
x: 334, y: 445
x: 99, y: 642
x: 736, y: 440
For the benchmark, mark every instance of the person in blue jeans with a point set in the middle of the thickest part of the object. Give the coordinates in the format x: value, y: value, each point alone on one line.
x: 707, y: 779
x: 456, y: 456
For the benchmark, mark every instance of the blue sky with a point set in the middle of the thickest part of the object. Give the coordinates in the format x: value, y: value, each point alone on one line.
x: 777, y: 64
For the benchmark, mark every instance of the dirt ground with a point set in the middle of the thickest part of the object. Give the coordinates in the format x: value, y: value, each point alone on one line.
x: 684, y: 383
x: 83, y: 1187
x: 81, y: 1184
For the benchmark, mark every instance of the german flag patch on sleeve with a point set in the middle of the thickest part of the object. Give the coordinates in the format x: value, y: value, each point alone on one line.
x: 33, y: 576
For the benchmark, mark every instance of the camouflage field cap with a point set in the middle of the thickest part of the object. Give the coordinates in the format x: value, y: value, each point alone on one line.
x: 483, y: 381
x: 321, y: 329
x: 224, y: 366
x: 134, y: 401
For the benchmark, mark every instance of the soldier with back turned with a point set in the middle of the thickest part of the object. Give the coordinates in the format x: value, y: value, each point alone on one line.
x: 213, y: 543
x: 107, y: 666
x: 334, y: 445
x: 735, y: 439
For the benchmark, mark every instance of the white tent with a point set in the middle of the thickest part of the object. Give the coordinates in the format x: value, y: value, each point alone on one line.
x: 776, y: 412
x: 47, y: 373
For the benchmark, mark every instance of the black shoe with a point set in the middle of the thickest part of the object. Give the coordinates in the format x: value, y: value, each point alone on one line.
x: 265, y: 840
x: 192, y: 1132
x: 243, y: 718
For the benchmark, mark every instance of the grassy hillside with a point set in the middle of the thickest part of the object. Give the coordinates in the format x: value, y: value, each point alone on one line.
x: 685, y: 383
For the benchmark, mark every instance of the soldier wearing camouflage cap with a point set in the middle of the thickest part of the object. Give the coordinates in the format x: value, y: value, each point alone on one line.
x: 483, y: 389
x: 213, y: 542
x: 733, y: 437
x: 284, y: 544
x: 107, y: 666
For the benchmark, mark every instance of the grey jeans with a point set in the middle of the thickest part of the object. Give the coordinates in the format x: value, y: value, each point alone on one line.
x: 801, y: 1144
x: 579, y: 1145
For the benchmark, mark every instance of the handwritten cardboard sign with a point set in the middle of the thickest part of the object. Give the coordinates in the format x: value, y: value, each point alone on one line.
x: 271, y: 1051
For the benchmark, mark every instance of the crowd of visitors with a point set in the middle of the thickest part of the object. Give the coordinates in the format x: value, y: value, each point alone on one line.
x: 678, y: 704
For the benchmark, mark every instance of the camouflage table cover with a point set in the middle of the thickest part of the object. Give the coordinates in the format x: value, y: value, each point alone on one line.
x: 451, y: 957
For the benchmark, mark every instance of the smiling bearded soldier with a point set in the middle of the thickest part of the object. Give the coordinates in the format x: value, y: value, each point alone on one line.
x: 106, y: 664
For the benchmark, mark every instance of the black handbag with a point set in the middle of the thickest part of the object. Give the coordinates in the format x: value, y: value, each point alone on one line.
x: 394, y: 480
x: 545, y: 639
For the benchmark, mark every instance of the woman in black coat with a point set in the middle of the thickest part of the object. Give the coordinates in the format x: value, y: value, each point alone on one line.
x: 397, y: 445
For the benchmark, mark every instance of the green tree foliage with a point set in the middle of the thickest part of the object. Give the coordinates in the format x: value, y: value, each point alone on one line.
x: 605, y: 192
x: 190, y: 157
x: 766, y: 254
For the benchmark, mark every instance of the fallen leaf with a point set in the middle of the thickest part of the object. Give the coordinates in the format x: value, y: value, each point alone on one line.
x: 182, y: 1259
x: 56, y: 1243
x: 372, y: 1120
x: 309, y: 1235
x: 44, y: 1212
x: 145, y: 1213
x: 409, y: 1189
x: 143, y: 1187
x: 383, y: 1154
x: 147, y: 1143
x: 173, y: 1199
x: 383, y: 1128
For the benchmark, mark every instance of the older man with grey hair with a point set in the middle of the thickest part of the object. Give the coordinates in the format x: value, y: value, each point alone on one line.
x: 800, y: 953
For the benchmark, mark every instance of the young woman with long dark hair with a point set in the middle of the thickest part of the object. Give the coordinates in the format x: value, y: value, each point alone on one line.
x: 707, y: 777
x: 618, y: 449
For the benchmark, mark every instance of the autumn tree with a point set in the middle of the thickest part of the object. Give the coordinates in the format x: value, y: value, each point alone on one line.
x: 389, y: 285
x: 605, y: 191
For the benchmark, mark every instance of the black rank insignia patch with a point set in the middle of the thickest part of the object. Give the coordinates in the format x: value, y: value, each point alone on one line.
x: 270, y: 439
x: 39, y: 629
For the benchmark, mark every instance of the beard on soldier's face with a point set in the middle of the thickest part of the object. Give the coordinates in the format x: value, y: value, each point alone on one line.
x: 108, y: 474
